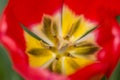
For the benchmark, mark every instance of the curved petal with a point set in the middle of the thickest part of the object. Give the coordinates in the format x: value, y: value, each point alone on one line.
x: 88, y: 72
x: 111, y: 50
x: 12, y: 28
x: 111, y: 37
x: 115, y: 46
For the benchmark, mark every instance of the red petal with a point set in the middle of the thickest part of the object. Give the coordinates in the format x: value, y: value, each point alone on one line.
x: 88, y: 72
x: 11, y: 28
x: 93, y: 8
x: 110, y: 42
x: 29, y: 12
x: 113, y: 6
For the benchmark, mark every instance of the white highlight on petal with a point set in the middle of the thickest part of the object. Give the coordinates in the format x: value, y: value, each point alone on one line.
x: 3, y: 24
x: 116, y: 33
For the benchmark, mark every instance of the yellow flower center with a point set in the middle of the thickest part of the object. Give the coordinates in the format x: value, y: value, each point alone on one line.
x: 61, y: 47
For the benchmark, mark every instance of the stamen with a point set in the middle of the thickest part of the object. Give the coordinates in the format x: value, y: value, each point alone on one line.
x: 47, y: 22
x: 84, y: 48
x: 45, y: 45
x: 37, y: 51
x: 54, y: 29
x: 72, y: 30
x: 83, y: 44
x: 63, y: 48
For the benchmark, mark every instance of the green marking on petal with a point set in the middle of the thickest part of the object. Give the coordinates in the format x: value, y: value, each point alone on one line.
x: 57, y: 66
x: 88, y: 32
x: 70, y: 65
x: 32, y: 34
x: 73, y: 29
x: 39, y: 52
x: 47, y: 26
x: 84, y: 44
x: 84, y: 48
x: 54, y: 29
x: 50, y: 29
x: 41, y: 57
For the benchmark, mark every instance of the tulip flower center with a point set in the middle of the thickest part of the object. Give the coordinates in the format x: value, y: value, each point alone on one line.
x: 62, y: 47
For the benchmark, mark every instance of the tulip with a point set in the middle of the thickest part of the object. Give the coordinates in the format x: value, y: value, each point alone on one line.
x: 62, y: 39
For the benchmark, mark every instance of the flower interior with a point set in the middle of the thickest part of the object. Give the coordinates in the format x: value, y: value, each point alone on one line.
x: 61, y: 44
